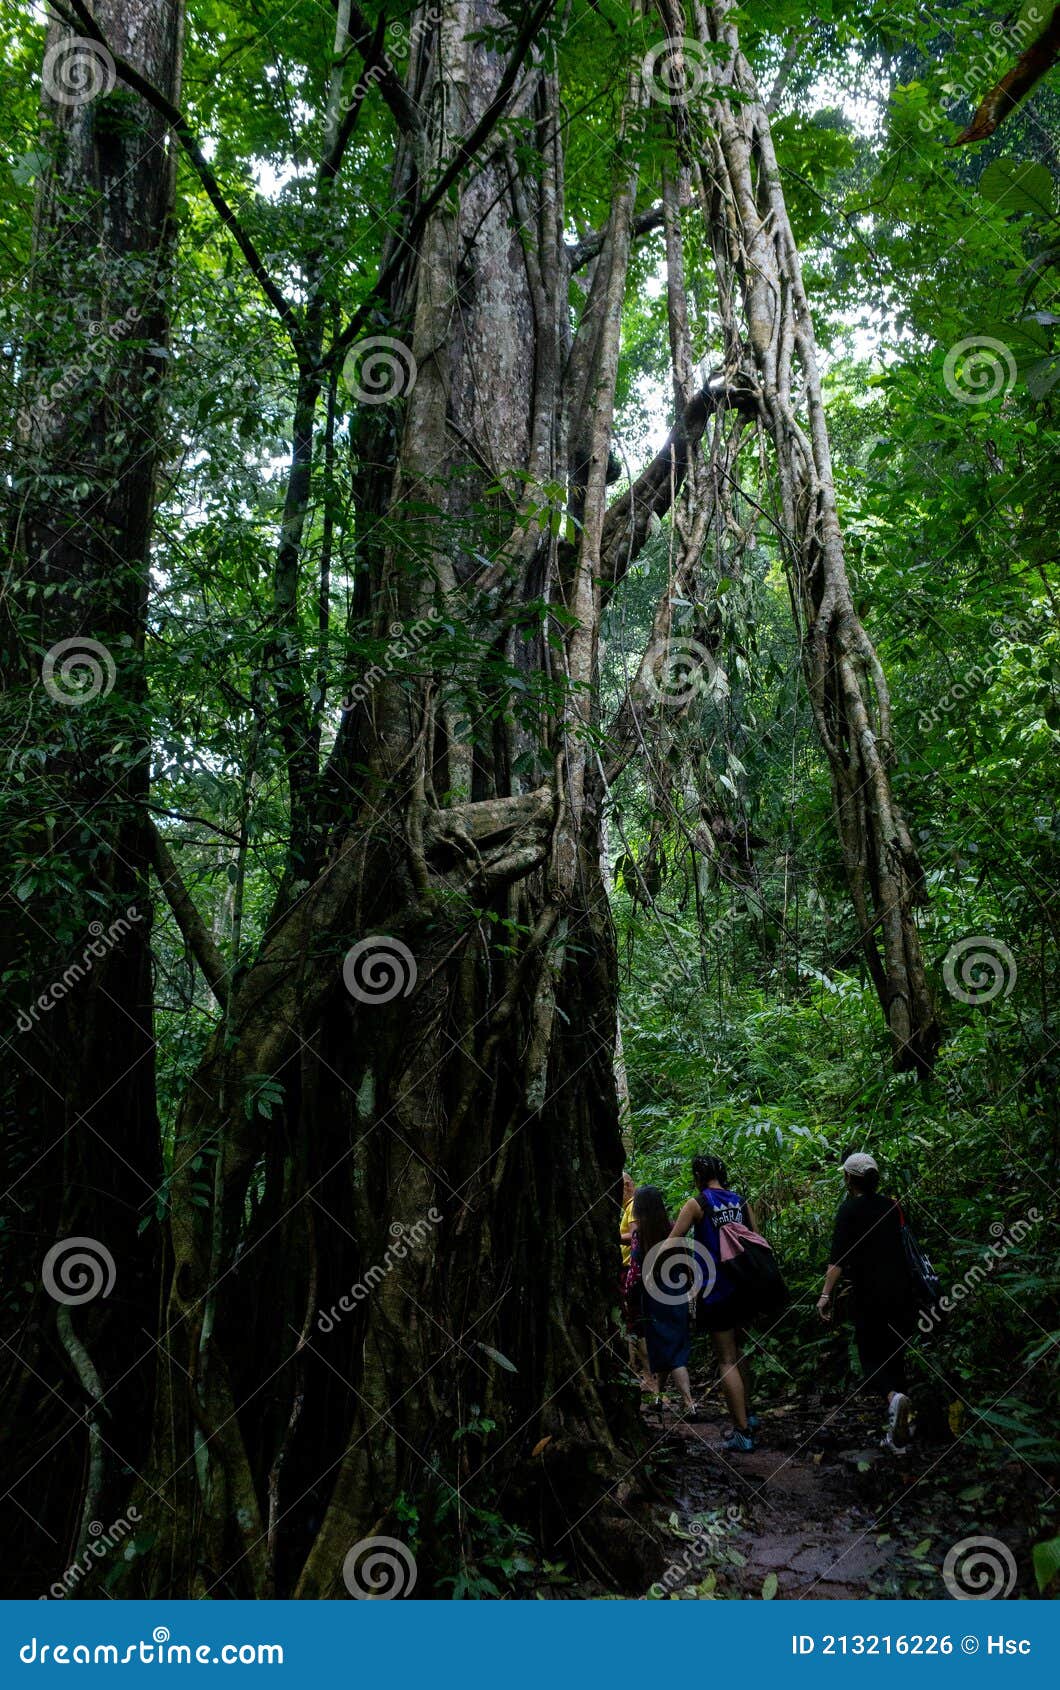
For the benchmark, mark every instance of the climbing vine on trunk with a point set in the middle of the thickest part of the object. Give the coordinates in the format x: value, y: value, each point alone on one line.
x: 724, y: 144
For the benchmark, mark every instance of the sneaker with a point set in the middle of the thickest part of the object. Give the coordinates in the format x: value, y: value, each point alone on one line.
x: 898, y: 1435
x: 888, y: 1443
x: 752, y: 1422
x: 741, y: 1442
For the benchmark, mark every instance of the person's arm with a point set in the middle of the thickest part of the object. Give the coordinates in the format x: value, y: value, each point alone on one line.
x: 824, y: 1301
x: 686, y: 1220
x: 749, y: 1217
x: 842, y: 1238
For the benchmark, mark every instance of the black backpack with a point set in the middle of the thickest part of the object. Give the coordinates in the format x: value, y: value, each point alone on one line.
x: 924, y: 1282
x: 754, y: 1272
x: 758, y: 1281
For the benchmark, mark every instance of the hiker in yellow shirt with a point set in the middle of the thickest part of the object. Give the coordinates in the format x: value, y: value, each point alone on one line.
x: 638, y: 1349
x: 626, y: 1224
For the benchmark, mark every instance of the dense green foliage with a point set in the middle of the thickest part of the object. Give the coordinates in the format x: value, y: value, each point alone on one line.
x: 749, y: 1025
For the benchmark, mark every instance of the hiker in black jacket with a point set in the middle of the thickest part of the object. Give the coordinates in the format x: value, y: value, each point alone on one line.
x: 867, y: 1246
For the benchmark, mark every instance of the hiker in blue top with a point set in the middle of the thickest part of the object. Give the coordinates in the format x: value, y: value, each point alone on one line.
x: 722, y: 1310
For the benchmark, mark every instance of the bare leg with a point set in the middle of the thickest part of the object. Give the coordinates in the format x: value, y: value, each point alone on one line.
x: 684, y: 1385
x: 745, y: 1372
x: 731, y: 1381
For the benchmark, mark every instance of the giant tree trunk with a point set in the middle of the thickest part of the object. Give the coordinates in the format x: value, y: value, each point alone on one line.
x: 466, y: 1124
x: 389, y: 1314
x: 84, y: 1159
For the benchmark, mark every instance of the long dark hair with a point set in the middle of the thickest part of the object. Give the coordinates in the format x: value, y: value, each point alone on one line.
x: 650, y: 1217
x: 706, y: 1168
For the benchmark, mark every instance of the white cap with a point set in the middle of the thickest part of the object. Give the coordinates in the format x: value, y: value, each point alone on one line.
x: 860, y: 1163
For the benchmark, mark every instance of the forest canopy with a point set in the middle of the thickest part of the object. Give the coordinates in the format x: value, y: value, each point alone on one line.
x: 530, y: 650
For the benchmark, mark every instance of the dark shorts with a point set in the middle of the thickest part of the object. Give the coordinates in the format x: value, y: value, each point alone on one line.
x: 728, y: 1314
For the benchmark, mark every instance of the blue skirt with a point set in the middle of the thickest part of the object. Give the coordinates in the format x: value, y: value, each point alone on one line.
x: 668, y: 1330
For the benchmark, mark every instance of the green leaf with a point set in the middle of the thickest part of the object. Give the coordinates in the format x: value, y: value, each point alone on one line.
x: 1018, y: 186
x: 1046, y: 1557
x: 770, y: 1585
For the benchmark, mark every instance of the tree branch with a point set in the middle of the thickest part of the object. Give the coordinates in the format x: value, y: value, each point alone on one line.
x: 193, y: 928
x: 589, y: 246
x: 380, y: 71
x: 628, y: 520
x: 1029, y: 68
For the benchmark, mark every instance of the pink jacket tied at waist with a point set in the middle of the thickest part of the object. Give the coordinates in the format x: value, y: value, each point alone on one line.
x: 733, y: 1237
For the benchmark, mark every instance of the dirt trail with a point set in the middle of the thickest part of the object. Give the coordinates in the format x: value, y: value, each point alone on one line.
x: 818, y: 1510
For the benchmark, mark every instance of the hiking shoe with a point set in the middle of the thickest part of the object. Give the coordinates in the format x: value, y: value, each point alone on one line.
x: 741, y: 1442
x: 898, y: 1435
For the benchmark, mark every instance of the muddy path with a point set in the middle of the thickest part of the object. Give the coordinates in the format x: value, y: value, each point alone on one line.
x: 819, y: 1511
